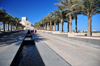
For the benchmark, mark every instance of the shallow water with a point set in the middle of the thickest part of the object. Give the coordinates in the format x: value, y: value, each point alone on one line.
x: 30, y: 56
x: 27, y: 56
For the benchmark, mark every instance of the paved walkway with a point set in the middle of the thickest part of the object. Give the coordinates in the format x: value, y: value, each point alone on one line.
x: 9, y: 45
x: 7, y: 40
x: 75, y: 53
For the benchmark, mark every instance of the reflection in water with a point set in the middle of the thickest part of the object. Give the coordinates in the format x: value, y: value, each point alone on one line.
x: 30, y: 56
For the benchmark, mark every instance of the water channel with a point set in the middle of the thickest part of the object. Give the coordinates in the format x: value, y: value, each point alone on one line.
x: 27, y: 54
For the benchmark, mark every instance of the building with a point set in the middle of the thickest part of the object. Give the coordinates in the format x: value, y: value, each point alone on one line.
x: 27, y: 24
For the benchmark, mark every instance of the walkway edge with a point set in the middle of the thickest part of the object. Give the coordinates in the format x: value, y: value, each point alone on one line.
x: 9, y: 53
x: 49, y: 57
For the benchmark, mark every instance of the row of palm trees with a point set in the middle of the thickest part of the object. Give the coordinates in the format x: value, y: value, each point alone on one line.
x: 5, y: 18
x: 68, y: 10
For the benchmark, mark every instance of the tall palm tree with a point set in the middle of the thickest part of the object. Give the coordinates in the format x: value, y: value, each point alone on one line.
x: 44, y: 22
x: 68, y: 4
x: 2, y: 17
x: 8, y: 19
x: 12, y: 21
x: 48, y: 20
x: 62, y: 14
x: 56, y: 16
x: 89, y: 8
x: 17, y: 21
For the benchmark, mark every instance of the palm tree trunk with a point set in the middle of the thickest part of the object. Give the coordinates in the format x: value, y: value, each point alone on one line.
x: 70, y: 16
x: 45, y: 26
x: 68, y: 27
x: 76, y: 23
x: 8, y: 26
x: 39, y: 27
x: 0, y: 27
x: 50, y: 26
x: 89, y: 33
x: 55, y: 25
x: 16, y: 27
x: 61, y: 25
x: 4, y: 26
x: 58, y: 27
x: 11, y: 26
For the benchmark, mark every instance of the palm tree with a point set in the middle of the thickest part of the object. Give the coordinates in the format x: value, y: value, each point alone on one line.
x: 47, y: 20
x: 49, y: 16
x: 56, y: 16
x: 44, y: 22
x: 8, y: 19
x: 2, y: 17
x: 68, y: 4
x: 67, y: 18
x: 17, y: 21
x: 62, y: 14
x: 12, y: 21
x: 89, y: 8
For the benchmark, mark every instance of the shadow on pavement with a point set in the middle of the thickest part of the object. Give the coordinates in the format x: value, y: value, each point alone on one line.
x: 38, y: 38
x: 10, y: 39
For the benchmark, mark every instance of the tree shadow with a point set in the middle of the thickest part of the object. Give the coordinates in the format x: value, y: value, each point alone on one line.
x: 38, y: 38
x: 14, y: 38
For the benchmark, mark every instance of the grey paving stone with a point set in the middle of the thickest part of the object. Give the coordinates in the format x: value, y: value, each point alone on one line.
x: 86, y: 40
x: 7, y: 56
x: 49, y: 57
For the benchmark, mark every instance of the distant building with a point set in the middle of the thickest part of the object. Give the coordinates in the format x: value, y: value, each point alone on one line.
x: 27, y: 24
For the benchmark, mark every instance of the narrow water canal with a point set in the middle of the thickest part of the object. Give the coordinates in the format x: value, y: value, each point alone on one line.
x: 27, y: 55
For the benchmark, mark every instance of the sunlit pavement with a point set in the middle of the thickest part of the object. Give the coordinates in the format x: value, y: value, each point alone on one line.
x: 7, y: 40
x: 9, y: 45
x: 75, y: 53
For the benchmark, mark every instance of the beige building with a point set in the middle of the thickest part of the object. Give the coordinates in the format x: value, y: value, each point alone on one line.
x: 27, y: 24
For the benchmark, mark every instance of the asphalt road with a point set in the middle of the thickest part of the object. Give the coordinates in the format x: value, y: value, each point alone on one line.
x: 75, y: 53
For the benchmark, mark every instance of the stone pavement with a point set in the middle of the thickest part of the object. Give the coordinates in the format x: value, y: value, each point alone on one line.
x: 49, y: 56
x: 9, y: 45
x: 93, y: 41
x: 54, y: 50
x: 74, y: 52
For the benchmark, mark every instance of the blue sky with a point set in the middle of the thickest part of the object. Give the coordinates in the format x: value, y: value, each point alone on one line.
x: 35, y: 10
